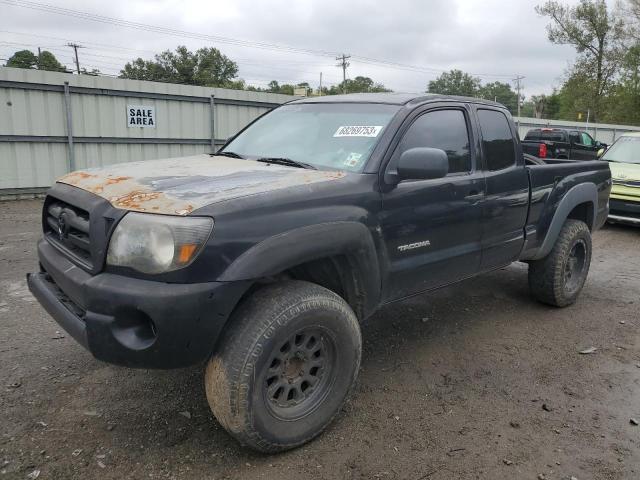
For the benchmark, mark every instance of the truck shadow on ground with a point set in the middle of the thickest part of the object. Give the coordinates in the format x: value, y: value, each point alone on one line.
x: 441, y: 374
x: 397, y: 335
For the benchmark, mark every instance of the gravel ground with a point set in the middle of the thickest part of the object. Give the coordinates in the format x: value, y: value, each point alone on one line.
x: 472, y: 381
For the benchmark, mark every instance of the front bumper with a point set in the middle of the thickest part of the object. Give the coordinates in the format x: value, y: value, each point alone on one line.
x: 133, y: 322
x: 624, y: 211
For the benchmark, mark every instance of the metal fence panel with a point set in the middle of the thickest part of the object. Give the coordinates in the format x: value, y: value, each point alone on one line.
x: 34, y: 138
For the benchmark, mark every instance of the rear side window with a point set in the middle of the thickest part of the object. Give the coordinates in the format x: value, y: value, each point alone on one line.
x: 443, y: 129
x: 497, y: 140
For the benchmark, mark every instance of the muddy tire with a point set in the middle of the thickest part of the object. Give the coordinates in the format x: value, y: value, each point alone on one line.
x: 285, y: 366
x: 558, y: 278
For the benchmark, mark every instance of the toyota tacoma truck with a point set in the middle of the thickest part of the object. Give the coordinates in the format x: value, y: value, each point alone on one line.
x: 263, y: 260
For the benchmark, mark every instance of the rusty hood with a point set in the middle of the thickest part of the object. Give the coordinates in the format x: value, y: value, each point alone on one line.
x: 177, y: 186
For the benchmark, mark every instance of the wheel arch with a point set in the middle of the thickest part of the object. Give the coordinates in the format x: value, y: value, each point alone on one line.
x: 339, y: 256
x: 579, y: 203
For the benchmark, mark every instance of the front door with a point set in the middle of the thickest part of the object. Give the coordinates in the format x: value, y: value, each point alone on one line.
x: 586, y: 149
x: 432, y: 228
x: 583, y: 146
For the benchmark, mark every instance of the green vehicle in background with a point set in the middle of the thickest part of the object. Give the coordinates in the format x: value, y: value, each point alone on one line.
x: 624, y: 161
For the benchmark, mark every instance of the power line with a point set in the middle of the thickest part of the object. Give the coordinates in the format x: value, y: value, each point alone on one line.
x: 416, y: 68
x: 226, y: 40
x: 111, y: 47
x: 97, y: 62
x: 95, y: 46
x: 241, y: 61
x: 158, y: 29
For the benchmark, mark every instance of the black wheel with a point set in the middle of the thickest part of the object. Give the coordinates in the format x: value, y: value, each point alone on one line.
x: 287, y: 362
x: 558, y: 278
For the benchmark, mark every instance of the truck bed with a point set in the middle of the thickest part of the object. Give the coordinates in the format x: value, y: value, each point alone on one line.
x: 548, y: 184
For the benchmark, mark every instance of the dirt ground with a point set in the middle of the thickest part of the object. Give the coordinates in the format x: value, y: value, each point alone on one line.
x: 472, y: 381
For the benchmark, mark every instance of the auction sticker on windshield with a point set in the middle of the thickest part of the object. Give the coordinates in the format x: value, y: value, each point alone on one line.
x: 357, y: 131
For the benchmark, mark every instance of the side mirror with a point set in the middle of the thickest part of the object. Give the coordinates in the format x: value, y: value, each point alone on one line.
x: 423, y: 163
x: 600, y: 152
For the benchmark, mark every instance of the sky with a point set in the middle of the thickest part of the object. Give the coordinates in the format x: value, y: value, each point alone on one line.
x: 401, y: 43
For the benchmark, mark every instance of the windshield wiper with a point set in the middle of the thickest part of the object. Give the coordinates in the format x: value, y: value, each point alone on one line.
x: 229, y: 154
x: 286, y: 161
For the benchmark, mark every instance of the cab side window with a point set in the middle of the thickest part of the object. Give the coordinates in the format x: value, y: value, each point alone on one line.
x: 574, y: 137
x: 586, y: 139
x: 497, y: 140
x: 443, y: 129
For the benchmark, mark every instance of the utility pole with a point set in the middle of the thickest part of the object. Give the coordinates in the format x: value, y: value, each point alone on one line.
x: 39, y: 58
x: 587, y: 125
x: 344, y: 64
x: 320, y: 89
x: 518, y: 79
x: 75, y: 47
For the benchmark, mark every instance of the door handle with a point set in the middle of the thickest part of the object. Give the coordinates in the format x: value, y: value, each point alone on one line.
x: 474, y: 195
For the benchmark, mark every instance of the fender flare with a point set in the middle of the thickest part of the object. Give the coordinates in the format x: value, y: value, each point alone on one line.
x: 294, y: 247
x: 583, y: 193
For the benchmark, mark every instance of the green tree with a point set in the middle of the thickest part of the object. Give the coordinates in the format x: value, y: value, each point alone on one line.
x: 631, y: 9
x: 576, y: 96
x: 23, y: 59
x: 501, y: 93
x: 358, y: 84
x: 455, y: 82
x: 94, y: 71
x: 27, y: 59
x: 552, y: 106
x: 204, y: 67
x: 544, y: 106
x: 48, y: 61
x: 597, y: 35
x: 275, y: 87
x: 528, y: 109
x: 625, y: 100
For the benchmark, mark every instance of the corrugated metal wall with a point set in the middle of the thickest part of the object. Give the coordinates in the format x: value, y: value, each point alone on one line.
x: 33, y: 130
x: 34, y: 146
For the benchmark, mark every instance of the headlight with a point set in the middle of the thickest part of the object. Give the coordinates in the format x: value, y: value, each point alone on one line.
x: 157, y: 243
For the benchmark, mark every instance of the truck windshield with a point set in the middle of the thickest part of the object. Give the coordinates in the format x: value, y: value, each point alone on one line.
x: 624, y: 150
x: 331, y: 135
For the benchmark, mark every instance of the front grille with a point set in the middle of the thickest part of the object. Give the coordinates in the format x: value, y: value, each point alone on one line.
x: 626, y: 183
x: 622, y: 207
x: 67, y: 227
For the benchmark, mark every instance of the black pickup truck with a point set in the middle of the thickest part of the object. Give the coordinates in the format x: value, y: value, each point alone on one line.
x: 264, y: 259
x: 562, y: 144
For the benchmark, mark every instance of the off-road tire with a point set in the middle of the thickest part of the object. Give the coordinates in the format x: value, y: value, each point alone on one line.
x: 237, y: 377
x: 548, y: 280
